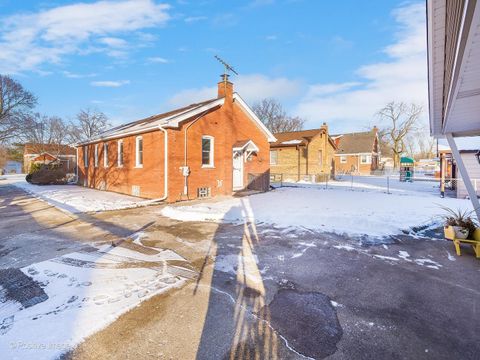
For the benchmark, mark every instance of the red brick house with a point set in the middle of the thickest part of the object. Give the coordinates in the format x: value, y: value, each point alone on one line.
x: 215, y: 147
x: 64, y: 155
x: 357, y: 153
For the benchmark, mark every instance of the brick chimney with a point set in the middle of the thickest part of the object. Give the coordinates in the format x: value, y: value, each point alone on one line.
x: 225, y: 88
x: 325, y: 127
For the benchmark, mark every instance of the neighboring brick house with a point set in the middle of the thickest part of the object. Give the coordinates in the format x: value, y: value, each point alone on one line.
x: 64, y: 155
x: 215, y: 147
x: 299, y: 155
x: 357, y: 153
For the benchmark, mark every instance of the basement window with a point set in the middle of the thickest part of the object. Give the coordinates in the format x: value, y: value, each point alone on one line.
x: 207, y: 151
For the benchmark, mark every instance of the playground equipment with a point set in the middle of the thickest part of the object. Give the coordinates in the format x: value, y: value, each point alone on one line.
x: 407, y: 168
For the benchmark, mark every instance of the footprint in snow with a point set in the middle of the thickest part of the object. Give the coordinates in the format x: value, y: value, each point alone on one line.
x: 32, y: 271
x: 100, y: 299
x: 7, y: 324
x: 72, y: 299
x: 50, y: 273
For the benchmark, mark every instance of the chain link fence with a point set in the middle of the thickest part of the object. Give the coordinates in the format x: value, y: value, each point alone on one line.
x: 386, y: 183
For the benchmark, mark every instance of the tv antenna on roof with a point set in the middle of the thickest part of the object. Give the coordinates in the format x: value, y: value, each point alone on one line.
x: 228, y: 68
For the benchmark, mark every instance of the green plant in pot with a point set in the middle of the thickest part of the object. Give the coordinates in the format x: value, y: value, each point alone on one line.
x: 458, y: 223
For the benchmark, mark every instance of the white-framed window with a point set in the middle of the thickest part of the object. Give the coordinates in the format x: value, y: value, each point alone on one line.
x: 343, y: 159
x: 273, y: 157
x: 120, y: 153
x: 207, y: 151
x: 95, y: 159
x: 105, y: 155
x: 365, y: 159
x: 138, y: 151
x: 85, y: 156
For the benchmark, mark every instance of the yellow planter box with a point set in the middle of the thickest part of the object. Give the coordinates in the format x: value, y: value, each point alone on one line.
x: 449, y: 232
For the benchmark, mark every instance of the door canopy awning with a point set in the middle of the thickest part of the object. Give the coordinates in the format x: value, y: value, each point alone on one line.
x: 245, y: 147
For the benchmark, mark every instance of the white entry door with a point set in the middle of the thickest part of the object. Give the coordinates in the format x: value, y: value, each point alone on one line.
x: 237, y: 170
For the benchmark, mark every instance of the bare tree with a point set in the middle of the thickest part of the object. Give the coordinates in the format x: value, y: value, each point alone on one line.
x: 402, y: 121
x: 272, y: 114
x: 42, y: 130
x: 426, y: 146
x: 90, y: 123
x: 15, y: 104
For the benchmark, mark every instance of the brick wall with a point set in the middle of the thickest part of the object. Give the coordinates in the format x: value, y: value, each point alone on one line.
x: 227, y: 125
x: 312, y: 160
x: 353, y: 164
x: 148, y: 178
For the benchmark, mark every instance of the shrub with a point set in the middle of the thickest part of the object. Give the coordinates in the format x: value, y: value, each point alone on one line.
x: 48, y: 175
x: 35, y: 167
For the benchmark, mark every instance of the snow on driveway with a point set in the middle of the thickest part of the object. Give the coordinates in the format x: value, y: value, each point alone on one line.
x: 76, y: 199
x: 66, y: 299
x: 335, y: 209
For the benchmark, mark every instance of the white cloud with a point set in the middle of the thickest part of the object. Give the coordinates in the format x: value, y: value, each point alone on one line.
x: 158, y: 59
x: 31, y: 40
x: 192, y: 19
x: 110, y: 83
x: 271, y: 37
x: 252, y: 88
x: 403, y: 77
x: 113, y: 42
x: 71, y: 75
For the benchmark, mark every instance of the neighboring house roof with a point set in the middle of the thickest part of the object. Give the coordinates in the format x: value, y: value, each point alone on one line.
x: 31, y: 148
x: 355, y: 143
x: 294, y: 138
x: 44, y: 157
x: 172, y: 119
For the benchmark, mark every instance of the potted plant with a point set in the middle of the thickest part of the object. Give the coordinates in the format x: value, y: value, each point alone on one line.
x: 458, y: 224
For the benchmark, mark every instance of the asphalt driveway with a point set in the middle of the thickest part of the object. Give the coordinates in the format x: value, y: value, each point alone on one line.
x: 266, y: 292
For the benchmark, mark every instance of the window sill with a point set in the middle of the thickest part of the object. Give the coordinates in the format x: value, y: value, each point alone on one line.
x: 119, y: 166
x: 138, y: 167
x: 208, y: 166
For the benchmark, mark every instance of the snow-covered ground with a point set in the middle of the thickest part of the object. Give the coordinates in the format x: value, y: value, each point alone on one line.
x: 73, y: 198
x: 86, y: 291
x: 362, y: 209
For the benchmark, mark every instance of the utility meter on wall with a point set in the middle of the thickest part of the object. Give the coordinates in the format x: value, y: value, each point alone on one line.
x: 185, y: 170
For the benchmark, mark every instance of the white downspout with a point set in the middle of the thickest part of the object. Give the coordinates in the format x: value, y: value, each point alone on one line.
x: 463, y: 172
x: 165, y: 171
x: 76, y: 165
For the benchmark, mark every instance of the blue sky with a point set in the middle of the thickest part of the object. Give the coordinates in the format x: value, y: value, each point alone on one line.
x: 333, y: 61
